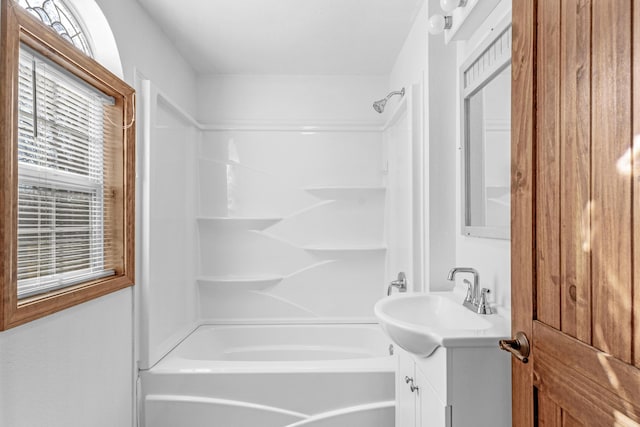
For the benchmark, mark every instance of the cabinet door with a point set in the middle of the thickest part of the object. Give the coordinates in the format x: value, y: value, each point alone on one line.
x: 431, y: 411
x: 405, y: 398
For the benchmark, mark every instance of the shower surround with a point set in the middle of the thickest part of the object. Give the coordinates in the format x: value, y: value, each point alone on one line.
x: 284, y: 217
x: 291, y: 225
x: 291, y: 200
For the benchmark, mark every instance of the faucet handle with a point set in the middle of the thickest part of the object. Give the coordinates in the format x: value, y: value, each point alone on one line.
x: 483, y: 307
x: 469, y: 297
x: 400, y: 283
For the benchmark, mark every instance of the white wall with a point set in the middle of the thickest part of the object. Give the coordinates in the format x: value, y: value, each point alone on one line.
x: 491, y: 257
x: 427, y: 61
x: 411, y: 62
x: 442, y: 157
x: 445, y: 247
x: 409, y: 71
x: 72, y: 368
x: 75, y: 368
x: 144, y: 46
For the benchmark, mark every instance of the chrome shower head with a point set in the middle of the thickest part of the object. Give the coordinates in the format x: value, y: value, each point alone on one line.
x: 379, y: 105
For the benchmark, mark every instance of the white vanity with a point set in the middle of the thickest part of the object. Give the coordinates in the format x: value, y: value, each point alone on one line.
x: 451, y: 372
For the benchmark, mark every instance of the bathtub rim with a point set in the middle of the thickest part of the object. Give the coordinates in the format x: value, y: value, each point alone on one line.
x: 173, y: 363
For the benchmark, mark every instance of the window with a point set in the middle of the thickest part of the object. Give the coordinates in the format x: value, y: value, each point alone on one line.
x: 61, y: 199
x: 57, y: 15
x: 67, y: 156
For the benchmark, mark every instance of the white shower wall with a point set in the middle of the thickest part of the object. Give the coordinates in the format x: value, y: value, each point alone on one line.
x: 291, y: 199
x: 167, y: 235
x: 289, y: 99
x: 400, y: 232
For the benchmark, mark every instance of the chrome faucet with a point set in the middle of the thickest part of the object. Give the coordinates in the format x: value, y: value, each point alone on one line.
x: 476, y: 299
x: 474, y: 291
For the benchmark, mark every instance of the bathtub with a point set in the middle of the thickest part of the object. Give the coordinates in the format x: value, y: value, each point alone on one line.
x: 273, y: 376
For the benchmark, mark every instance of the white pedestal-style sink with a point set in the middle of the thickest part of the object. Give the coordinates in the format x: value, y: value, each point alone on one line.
x: 420, y: 323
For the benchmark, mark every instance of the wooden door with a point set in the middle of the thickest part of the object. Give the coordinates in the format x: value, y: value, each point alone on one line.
x: 576, y: 211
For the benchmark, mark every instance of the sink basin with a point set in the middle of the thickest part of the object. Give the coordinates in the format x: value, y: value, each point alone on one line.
x: 420, y: 323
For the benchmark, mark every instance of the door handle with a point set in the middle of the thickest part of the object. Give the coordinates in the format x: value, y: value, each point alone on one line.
x: 518, y: 347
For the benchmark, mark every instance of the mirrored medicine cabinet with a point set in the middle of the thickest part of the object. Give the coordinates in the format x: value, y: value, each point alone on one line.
x: 486, y: 137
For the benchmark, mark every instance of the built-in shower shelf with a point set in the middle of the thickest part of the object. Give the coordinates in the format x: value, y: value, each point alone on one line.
x: 339, y: 192
x: 247, y: 223
x: 343, y: 250
x: 241, y: 282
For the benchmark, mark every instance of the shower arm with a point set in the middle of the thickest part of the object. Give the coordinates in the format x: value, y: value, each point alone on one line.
x: 397, y: 92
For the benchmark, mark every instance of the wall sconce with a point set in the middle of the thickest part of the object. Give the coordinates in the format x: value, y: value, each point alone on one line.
x: 438, y: 23
x: 449, y: 5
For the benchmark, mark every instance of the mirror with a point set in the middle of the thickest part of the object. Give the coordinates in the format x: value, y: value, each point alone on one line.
x: 486, y: 147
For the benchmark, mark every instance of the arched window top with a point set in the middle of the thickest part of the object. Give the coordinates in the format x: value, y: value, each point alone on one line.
x: 57, y: 15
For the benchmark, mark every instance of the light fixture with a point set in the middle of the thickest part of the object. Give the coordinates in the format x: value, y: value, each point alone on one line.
x: 438, y: 23
x: 450, y: 5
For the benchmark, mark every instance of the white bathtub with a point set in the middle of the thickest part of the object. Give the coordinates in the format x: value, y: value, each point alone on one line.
x: 273, y: 376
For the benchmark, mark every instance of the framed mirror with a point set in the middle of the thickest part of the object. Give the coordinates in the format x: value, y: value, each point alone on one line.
x: 486, y: 137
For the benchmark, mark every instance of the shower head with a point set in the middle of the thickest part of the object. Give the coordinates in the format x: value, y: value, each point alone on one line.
x: 379, y: 105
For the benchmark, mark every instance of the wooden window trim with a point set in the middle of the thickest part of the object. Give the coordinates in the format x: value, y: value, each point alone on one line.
x: 18, y: 26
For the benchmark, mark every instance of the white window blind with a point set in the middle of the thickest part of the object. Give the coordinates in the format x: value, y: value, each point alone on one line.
x: 64, y: 237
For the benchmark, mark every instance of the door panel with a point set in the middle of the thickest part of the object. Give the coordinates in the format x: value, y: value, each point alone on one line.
x: 575, y: 90
x: 597, y: 388
x: 552, y: 415
x: 549, y: 414
x: 569, y: 421
x: 548, y: 164
x: 577, y: 193
x: 611, y: 189
x: 610, y: 374
x: 575, y: 208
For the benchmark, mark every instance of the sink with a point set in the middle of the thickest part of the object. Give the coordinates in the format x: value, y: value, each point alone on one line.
x: 420, y: 323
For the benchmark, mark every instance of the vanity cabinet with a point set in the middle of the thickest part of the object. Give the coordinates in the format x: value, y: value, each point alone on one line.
x: 406, y: 399
x: 418, y: 406
x: 454, y: 387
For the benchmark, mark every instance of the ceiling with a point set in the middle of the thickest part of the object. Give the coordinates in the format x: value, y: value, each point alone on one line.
x: 287, y: 36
